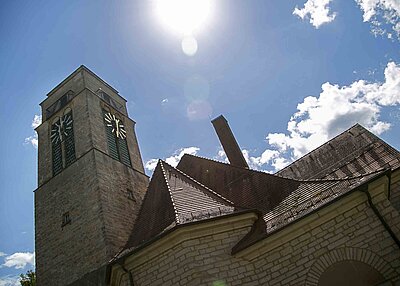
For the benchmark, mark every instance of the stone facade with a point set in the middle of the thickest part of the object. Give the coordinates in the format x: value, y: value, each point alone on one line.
x: 101, y: 195
x: 346, y: 230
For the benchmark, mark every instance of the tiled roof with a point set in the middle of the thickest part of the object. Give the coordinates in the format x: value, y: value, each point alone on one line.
x: 245, y: 188
x: 310, y: 196
x: 174, y: 198
x: 200, y: 188
x: 192, y: 200
x: 280, y: 200
x: 353, y: 152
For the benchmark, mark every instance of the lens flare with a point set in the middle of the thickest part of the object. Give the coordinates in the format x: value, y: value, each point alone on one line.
x: 189, y: 46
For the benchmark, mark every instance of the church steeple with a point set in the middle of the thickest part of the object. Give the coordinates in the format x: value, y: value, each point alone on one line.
x: 91, y: 179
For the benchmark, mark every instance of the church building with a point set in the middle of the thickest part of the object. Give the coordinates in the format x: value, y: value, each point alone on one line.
x: 329, y: 218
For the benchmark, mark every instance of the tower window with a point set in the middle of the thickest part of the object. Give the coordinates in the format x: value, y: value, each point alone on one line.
x: 66, y: 219
x: 116, y: 138
x: 130, y: 195
x: 62, y: 142
x: 59, y: 104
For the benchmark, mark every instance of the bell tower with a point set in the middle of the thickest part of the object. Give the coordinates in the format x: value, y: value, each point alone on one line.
x: 91, y: 180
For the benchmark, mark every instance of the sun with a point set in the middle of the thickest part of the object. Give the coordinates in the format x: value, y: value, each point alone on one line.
x: 184, y: 17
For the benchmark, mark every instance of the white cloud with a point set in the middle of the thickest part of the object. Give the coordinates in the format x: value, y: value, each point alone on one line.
x: 37, y: 120
x: 221, y: 156
x: 317, y: 11
x: 174, y: 159
x: 33, y: 140
x: 268, y: 157
x: 318, y: 119
x: 19, y: 260
x: 2, y: 254
x: 151, y: 164
x: 9, y: 281
x: 382, y: 15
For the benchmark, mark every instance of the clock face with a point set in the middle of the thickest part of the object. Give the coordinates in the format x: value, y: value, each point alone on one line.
x: 116, y: 124
x: 61, y: 128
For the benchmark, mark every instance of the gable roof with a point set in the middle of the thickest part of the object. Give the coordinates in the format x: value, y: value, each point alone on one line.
x: 173, y: 198
x: 354, y: 152
x: 308, y: 198
x: 280, y: 200
x: 200, y: 188
x: 246, y: 188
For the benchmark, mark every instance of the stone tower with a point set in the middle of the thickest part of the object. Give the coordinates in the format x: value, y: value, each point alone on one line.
x: 91, y: 180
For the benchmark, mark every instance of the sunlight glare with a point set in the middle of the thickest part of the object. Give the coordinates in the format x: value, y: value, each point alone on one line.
x: 184, y: 16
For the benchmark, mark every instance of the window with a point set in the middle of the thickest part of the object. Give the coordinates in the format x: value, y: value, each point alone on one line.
x: 56, y: 106
x: 116, y: 138
x: 104, y: 96
x: 66, y: 219
x: 62, y: 142
x: 130, y: 195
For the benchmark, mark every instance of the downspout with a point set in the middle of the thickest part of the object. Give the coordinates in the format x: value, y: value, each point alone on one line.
x: 129, y: 274
x: 380, y: 217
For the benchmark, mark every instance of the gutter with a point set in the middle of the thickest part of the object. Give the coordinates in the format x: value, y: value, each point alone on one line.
x: 378, y: 214
x: 129, y: 274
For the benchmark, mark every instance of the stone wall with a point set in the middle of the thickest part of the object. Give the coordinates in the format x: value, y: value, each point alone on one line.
x: 64, y: 253
x: 395, y: 190
x: 297, y: 255
x: 101, y: 195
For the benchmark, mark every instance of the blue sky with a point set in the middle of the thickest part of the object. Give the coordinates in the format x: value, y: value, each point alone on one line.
x: 288, y: 75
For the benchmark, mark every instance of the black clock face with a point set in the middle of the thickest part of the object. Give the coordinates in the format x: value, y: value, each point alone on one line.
x: 116, y: 124
x: 61, y: 128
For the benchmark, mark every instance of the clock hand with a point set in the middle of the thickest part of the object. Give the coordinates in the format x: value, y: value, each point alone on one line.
x: 60, y: 128
x: 117, y: 127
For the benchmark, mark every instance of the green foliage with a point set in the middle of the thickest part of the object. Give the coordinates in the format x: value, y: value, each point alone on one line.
x: 28, y: 279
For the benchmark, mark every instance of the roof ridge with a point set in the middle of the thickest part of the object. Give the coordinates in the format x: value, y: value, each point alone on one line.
x: 201, y: 185
x: 347, y: 178
x: 237, y: 167
x: 326, y: 143
x: 160, y: 162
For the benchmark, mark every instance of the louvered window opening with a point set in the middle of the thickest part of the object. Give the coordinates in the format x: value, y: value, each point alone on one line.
x: 63, y: 151
x: 57, y: 158
x: 117, y: 147
x: 123, y: 151
x: 69, y: 143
